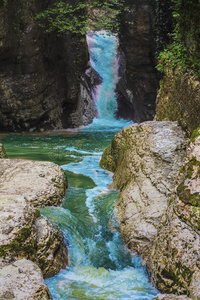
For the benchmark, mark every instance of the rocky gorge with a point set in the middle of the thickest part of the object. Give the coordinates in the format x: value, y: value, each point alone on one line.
x: 47, y: 83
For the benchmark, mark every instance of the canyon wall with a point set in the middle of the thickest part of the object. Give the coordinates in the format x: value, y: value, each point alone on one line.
x: 138, y: 82
x: 41, y: 82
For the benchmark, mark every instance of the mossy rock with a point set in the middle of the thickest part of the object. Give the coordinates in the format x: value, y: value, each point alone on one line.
x: 107, y: 161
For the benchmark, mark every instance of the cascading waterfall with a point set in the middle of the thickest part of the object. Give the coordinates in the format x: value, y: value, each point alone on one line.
x: 101, y: 266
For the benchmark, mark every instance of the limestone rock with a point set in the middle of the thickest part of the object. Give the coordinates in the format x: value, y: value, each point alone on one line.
x: 17, y: 227
x: 24, y: 235
x: 24, y: 186
x: 22, y: 280
x: 2, y: 151
x: 52, y: 254
x: 146, y: 160
x: 175, y: 262
x: 42, y: 183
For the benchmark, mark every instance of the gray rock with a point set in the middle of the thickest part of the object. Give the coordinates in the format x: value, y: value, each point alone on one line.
x: 22, y: 280
x: 52, y: 253
x: 175, y: 262
x: 25, y: 186
x: 146, y: 160
x: 42, y: 183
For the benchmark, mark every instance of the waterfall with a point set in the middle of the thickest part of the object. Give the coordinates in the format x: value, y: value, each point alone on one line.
x: 103, y: 58
x: 101, y: 266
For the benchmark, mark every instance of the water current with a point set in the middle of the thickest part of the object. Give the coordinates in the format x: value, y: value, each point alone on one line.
x: 100, y: 265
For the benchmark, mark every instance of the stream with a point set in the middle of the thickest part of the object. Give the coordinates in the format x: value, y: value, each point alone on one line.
x: 101, y: 267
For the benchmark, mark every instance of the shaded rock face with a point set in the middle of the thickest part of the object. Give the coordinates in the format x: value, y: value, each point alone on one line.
x: 175, y: 263
x: 145, y: 160
x: 40, y: 74
x: 22, y: 280
x: 25, y: 186
x: 179, y: 100
x: 136, y: 89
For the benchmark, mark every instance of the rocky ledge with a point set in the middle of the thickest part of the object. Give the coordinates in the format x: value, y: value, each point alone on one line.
x: 158, y: 174
x: 24, y: 187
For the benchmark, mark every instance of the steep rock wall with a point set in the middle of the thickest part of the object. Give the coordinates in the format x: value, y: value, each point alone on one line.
x: 179, y: 100
x: 138, y: 78
x: 40, y: 74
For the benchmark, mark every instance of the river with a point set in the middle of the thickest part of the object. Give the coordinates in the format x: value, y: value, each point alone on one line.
x: 101, y: 267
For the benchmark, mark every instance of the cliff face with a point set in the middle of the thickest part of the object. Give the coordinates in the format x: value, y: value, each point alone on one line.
x: 179, y: 100
x: 40, y: 74
x: 137, y: 87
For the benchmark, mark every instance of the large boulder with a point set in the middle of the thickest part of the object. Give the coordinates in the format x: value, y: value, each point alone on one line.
x: 42, y: 183
x: 145, y: 160
x: 22, y: 280
x: 174, y: 263
x: 25, y: 186
x: 23, y: 234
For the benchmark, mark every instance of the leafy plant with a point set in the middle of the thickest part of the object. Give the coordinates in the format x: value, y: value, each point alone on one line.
x: 184, y: 51
x: 78, y: 17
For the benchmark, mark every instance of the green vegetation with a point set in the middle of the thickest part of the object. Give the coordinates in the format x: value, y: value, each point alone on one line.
x: 81, y: 15
x: 184, y: 51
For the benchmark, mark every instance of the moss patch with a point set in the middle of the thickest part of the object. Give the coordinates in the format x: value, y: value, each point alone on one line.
x: 195, y: 134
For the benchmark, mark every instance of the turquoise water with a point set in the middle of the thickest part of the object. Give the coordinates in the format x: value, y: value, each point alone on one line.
x: 101, y: 267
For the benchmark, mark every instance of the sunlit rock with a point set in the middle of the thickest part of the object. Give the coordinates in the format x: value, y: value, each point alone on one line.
x: 22, y: 280
x: 174, y: 262
x: 146, y: 160
x: 42, y: 183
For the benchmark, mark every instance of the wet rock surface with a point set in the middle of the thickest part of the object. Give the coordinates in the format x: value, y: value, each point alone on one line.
x: 145, y: 160
x: 22, y: 280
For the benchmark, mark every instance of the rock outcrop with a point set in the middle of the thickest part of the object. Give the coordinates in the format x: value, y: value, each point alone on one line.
x: 24, y: 186
x: 40, y: 74
x: 145, y: 160
x: 22, y: 280
x: 158, y: 174
x: 175, y: 262
x: 179, y: 100
x: 136, y: 89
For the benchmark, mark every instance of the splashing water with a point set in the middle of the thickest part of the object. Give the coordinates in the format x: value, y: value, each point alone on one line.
x: 101, y: 266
